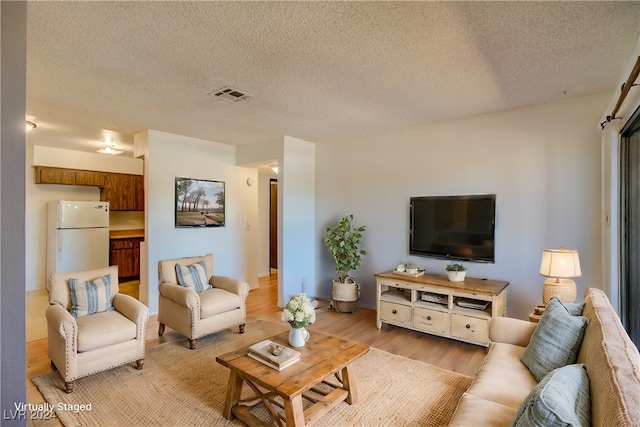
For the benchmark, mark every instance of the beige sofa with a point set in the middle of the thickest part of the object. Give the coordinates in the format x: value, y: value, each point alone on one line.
x: 503, y: 382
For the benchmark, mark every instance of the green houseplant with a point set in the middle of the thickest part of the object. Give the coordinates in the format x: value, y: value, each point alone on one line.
x: 456, y: 272
x: 343, y: 241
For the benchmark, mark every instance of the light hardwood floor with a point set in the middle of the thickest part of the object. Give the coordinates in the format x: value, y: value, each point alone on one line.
x: 262, y: 304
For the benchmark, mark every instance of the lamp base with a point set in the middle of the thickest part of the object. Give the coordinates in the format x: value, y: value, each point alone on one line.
x: 565, y: 289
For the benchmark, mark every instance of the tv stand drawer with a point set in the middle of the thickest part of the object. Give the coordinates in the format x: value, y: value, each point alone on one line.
x: 397, y: 314
x: 470, y: 329
x: 436, y: 322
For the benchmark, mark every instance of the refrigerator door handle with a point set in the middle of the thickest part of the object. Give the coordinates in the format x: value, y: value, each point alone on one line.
x: 59, y: 248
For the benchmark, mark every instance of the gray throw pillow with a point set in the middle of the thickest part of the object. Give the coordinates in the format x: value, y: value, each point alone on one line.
x: 560, y: 399
x: 556, y: 340
x: 575, y: 308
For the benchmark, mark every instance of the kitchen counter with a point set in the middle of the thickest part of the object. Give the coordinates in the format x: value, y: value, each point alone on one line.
x: 126, y: 234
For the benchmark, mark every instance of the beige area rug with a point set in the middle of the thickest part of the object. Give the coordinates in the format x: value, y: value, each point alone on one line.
x: 186, y: 387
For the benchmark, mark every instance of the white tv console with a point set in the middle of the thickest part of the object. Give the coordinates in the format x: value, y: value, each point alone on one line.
x: 432, y: 304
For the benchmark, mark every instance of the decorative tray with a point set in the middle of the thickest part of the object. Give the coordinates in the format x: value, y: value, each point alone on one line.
x: 404, y: 273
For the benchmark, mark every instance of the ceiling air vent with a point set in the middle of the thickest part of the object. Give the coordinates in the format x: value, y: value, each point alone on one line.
x: 229, y: 94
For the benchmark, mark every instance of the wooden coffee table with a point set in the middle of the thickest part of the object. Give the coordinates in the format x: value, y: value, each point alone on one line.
x: 323, y: 357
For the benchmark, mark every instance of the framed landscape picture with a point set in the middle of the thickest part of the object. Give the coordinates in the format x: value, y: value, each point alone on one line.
x: 199, y: 203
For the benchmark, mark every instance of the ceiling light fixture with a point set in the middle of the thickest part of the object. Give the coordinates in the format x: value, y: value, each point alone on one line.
x: 274, y: 168
x: 109, y: 147
x: 30, y: 125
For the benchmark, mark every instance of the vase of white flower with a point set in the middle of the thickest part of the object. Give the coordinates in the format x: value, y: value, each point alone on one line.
x: 299, y: 312
x: 298, y: 337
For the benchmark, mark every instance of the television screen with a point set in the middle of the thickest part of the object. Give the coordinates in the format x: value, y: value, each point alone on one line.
x: 453, y: 227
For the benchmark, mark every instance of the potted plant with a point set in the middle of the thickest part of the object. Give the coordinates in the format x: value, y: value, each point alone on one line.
x: 343, y: 241
x: 456, y: 272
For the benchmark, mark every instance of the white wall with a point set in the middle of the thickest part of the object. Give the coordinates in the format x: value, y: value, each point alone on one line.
x: 38, y: 195
x: 296, y: 220
x: 234, y: 246
x: 542, y: 162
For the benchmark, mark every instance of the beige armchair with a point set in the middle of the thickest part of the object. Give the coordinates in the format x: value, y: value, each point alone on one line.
x: 196, y: 314
x: 93, y: 342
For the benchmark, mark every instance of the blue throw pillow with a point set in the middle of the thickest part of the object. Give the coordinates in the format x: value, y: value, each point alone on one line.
x: 89, y: 297
x: 193, y: 276
x: 556, y: 340
x: 560, y: 399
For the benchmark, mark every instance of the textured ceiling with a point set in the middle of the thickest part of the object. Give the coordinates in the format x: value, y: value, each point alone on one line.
x: 316, y: 70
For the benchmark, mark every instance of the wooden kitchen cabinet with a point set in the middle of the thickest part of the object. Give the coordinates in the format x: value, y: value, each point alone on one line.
x: 124, y: 192
x: 55, y: 176
x: 120, y: 191
x: 125, y: 253
x: 63, y: 176
x: 139, y: 184
x: 90, y: 178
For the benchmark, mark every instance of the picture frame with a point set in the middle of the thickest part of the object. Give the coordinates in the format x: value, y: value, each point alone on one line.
x: 199, y: 203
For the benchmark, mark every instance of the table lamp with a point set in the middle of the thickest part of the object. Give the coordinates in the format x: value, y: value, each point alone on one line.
x: 559, y: 265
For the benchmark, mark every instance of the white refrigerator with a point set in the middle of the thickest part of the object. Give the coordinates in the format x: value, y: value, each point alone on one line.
x: 77, y: 236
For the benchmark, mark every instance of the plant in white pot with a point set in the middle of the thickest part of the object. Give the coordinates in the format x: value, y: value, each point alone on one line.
x: 456, y: 272
x: 343, y: 241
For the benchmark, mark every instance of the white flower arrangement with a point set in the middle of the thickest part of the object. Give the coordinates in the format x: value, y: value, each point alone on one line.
x: 299, y: 312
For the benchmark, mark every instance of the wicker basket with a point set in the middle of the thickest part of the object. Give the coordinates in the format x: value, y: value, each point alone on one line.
x: 345, y: 295
x: 345, y: 306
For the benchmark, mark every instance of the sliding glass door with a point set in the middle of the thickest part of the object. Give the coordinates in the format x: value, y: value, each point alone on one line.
x: 630, y: 228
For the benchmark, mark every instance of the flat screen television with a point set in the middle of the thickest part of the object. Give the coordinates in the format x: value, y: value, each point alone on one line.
x: 453, y: 227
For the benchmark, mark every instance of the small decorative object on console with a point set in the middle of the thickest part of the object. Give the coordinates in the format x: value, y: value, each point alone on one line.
x: 408, y: 270
x: 456, y: 272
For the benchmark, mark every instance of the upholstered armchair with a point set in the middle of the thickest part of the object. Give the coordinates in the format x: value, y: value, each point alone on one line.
x: 91, y: 327
x: 196, y: 303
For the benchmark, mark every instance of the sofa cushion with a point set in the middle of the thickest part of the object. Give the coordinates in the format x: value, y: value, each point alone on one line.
x: 476, y: 411
x: 215, y: 301
x: 90, y: 296
x: 613, y: 365
x: 193, y: 276
x: 104, y: 329
x: 560, y: 399
x: 502, y: 378
x: 556, y: 340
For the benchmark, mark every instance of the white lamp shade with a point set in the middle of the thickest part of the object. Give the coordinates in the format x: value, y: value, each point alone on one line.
x: 560, y: 263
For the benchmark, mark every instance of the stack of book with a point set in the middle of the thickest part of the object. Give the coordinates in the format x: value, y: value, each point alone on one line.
x: 273, y: 355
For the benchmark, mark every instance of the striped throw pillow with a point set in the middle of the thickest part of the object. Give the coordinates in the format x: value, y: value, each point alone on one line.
x: 193, y: 276
x: 89, y: 297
